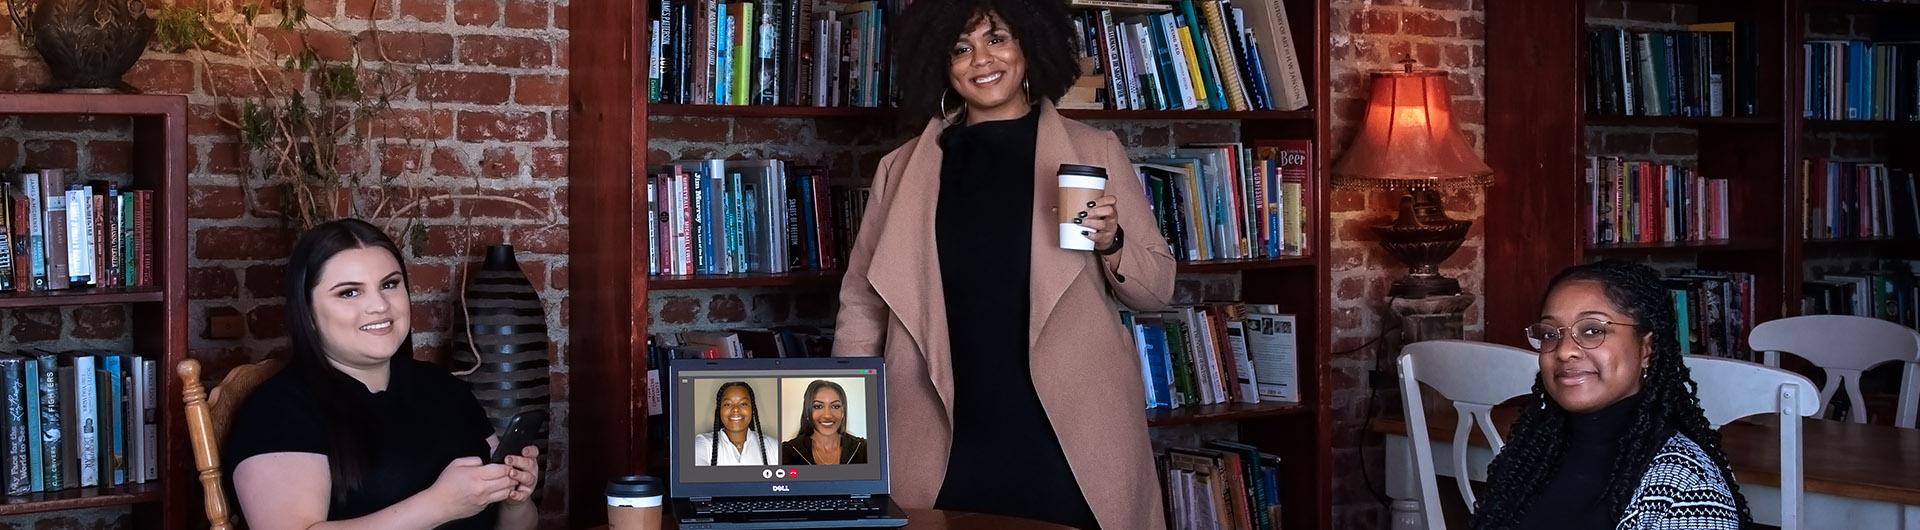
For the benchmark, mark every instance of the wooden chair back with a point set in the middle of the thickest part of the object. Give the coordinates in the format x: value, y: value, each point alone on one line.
x: 1731, y: 389
x: 1845, y: 347
x: 207, y: 420
x: 1476, y: 376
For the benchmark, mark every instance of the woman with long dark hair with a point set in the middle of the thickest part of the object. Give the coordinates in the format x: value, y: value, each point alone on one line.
x: 736, y: 438
x: 355, y: 433
x: 1613, y: 435
x: 1013, y: 387
x: 823, y: 439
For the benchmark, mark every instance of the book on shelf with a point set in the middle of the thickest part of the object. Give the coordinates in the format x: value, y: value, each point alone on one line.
x: 56, y: 234
x: 1891, y: 294
x: 769, y: 52
x: 1714, y: 311
x: 1188, y: 55
x: 1214, y: 353
x: 1860, y: 80
x: 1222, y: 485
x: 77, y: 419
x: 1229, y: 201
x: 1850, y: 200
x: 745, y: 216
x: 1635, y: 201
x: 760, y: 343
x: 1708, y: 70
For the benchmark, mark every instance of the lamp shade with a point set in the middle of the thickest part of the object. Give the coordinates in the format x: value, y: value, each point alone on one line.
x: 1408, y: 140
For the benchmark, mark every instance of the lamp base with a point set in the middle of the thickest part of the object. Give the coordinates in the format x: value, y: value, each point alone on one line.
x: 1423, y: 286
x: 1422, y: 237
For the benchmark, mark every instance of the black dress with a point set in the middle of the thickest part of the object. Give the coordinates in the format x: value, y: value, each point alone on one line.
x: 423, y: 420
x: 1005, y: 458
x: 1571, y: 497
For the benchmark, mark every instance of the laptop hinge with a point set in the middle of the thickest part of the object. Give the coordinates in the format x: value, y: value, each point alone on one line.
x: 861, y: 496
x: 699, y: 499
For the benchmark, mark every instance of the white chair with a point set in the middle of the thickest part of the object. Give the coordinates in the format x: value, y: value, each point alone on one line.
x: 1845, y: 346
x: 1476, y: 376
x: 1730, y: 390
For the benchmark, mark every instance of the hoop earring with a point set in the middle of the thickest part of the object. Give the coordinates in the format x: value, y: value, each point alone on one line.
x: 1027, y: 89
x: 942, y: 109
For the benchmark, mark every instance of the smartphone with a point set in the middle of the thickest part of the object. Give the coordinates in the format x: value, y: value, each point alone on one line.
x: 522, y: 430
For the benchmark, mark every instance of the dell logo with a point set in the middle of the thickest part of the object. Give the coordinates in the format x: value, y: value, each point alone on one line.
x: 778, y: 487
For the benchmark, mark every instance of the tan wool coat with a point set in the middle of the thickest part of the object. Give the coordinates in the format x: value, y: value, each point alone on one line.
x: 1085, y: 367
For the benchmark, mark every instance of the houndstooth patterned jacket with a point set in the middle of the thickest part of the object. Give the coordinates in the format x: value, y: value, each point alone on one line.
x: 1682, y: 490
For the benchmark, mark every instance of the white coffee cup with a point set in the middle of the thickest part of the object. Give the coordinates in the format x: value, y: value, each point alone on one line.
x: 1079, y: 186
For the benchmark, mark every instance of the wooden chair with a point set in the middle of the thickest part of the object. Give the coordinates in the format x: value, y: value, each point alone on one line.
x: 207, y: 420
x: 1845, y: 346
x: 1730, y: 390
x: 1476, y: 376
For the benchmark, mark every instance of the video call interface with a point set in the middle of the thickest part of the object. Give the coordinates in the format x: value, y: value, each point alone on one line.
x: 761, y: 426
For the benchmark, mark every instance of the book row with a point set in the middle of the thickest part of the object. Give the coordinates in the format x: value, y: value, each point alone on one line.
x: 1710, y: 70
x: 1635, y: 201
x: 1892, y: 295
x: 759, y: 343
x: 1713, y: 311
x: 1857, y: 200
x: 1860, y: 80
x: 59, y: 234
x: 1225, y: 484
x: 1193, y: 54
x: 769, y: 52
x: 748, y: 216
x: 1217, y: 353
x: 78, y: 419
x: 1230, y: 200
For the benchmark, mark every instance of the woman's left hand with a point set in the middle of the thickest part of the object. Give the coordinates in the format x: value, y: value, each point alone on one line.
x: 525, y: 474
x: 1100, y: 221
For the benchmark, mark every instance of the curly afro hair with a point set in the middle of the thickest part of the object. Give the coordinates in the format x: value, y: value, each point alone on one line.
x: 924, y: 37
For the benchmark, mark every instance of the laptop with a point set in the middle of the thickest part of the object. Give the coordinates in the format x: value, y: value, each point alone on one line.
x: 732, y: 467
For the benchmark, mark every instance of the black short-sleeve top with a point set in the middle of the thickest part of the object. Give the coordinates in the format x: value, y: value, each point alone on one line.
x: 423, y: 420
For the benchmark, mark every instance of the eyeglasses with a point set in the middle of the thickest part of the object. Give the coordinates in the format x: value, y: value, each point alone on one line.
x: 1588, y: 333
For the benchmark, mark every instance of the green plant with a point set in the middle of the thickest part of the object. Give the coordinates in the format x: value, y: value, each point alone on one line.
x: 309, y: 121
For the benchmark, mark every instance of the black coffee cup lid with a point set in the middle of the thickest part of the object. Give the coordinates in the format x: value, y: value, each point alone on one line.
x: 635, y: 486
x: 1083, y: 170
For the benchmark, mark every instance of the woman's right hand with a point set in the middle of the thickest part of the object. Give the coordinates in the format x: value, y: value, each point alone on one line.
x: 468, y: 485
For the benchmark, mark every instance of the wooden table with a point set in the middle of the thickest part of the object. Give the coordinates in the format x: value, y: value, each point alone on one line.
x: 1856, y: 476
x: 950, y: 520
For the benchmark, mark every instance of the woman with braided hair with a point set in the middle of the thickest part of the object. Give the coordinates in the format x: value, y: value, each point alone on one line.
x: 736, y: 421
x: 1613, y: 435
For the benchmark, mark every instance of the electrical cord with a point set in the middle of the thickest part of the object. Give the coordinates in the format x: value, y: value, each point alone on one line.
x: 1373, y: 397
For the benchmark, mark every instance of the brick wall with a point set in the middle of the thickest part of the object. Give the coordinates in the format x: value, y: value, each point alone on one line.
x: 487, y: 117
x: 1372, y: 35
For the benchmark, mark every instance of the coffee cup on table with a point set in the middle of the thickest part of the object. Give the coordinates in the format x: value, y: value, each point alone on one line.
x: 634, y: 503
x: 1080, y: 185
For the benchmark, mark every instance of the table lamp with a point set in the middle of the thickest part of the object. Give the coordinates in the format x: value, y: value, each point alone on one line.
x: 1409, y: 142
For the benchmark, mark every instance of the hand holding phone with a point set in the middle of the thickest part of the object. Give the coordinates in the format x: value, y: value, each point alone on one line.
x: 522, y: 430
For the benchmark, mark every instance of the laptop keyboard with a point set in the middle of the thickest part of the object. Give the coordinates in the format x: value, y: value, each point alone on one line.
x: 786, y: 505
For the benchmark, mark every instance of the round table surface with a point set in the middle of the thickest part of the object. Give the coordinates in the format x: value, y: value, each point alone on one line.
x: 928, y: 519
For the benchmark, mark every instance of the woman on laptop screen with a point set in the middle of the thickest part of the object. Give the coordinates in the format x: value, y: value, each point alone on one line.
x: 823, y: 439
x: 736, y: 439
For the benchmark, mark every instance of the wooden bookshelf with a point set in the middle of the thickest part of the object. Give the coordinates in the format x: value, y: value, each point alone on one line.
x: 610, y: 322
x: 1683, y: 247
x: 1536, y: 213
x: 78, y: 498
x: 1536, y: 61
x: 159, y: 332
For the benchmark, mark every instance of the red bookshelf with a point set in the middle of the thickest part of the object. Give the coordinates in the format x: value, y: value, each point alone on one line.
x: 159, y: 133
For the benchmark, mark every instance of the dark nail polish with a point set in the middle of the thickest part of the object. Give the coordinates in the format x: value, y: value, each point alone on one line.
x: 1089, y: 204
x: 1086, y: 233
x: 1076, y: 221
x: 1082, y: 214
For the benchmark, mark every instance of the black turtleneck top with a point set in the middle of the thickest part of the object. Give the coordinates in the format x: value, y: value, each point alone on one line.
x: 1570, y: 500
x: 1005, y: 458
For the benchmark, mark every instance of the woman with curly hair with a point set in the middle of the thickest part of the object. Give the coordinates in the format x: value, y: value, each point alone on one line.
x: 1613, y: 435
x: 1013, y: 388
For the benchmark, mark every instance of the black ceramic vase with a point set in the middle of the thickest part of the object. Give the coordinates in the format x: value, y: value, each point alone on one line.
x: 503, y: 339
x: 87, y: 44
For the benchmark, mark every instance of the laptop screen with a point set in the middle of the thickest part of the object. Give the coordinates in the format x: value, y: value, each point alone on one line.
x: 757, y: 427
